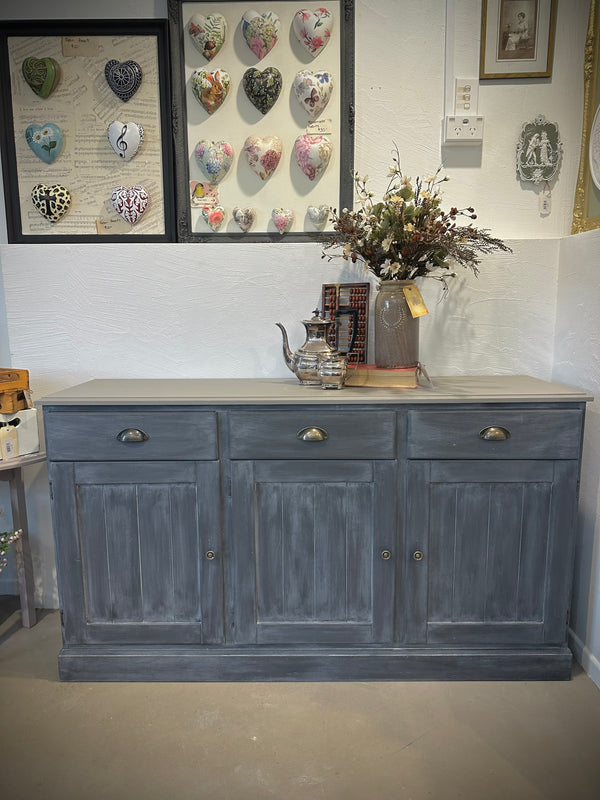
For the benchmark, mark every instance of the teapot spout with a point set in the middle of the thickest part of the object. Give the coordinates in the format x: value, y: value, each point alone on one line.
x: 287, y: 353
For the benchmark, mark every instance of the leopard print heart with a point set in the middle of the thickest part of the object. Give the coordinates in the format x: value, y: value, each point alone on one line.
x: 51, y: 201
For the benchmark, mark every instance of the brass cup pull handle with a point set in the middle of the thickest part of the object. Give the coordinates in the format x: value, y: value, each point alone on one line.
x: 494, y: 433
x: 129, y: 435
x: 418, y: 555
x: 211, y: 555
x: 312, y: 435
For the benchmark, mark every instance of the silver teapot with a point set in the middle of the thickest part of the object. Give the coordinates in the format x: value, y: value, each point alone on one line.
x: 306, y: 361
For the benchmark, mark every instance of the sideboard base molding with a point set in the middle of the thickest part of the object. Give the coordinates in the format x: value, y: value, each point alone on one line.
x: 183, y: 663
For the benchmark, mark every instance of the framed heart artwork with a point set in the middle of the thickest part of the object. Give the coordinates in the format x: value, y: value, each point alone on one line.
x: 263, y: 117
x: 86, y: 134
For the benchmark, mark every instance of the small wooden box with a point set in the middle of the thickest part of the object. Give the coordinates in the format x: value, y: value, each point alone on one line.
x: 14, y: 383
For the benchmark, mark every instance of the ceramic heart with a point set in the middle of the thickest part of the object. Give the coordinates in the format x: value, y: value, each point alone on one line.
x: 313, y: 90
x: 125, y: 138
x: 123, y: 77
x: 313, y: 28
x: 262, y: 88
x: 244, y: 217
x: 210, y: 88
x: 312, y: 154
x: 214, y: 158
x: 318, y: 215
x: 42, y: 74
x: 51, y: 201
x: 46, y: 141
x: 263, y: 154
x: 130, y: 203
x: 214, y: 215
x: 208, y: 33
x: 260, y: 31
x: 282, y: 218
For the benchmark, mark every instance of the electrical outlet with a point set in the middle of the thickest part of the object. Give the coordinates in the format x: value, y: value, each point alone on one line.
x: 464, y: 130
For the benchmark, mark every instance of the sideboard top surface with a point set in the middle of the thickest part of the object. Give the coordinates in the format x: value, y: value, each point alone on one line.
x: 285, y: 391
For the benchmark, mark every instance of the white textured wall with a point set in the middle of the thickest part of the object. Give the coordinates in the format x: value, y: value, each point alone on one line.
x: 577, y: 361
x: 81, y: 311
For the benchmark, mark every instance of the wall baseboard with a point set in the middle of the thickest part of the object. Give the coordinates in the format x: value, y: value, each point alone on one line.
x: 585, y: 657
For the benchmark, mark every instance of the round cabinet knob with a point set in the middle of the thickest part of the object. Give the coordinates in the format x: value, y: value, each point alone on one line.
x: 211, y: 555
x: 418, y: 555
x: 386, y: 554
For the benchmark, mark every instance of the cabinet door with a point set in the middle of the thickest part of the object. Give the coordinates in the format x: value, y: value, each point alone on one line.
x: 131, y: 539
x: 496, y: 541
x: 306, y: 548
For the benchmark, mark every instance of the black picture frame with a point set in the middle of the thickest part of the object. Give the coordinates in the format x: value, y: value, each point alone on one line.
x: 160, y: 153
x: 180, y: 93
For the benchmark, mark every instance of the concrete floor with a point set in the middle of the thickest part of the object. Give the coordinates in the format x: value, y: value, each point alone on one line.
x: 291, y: 741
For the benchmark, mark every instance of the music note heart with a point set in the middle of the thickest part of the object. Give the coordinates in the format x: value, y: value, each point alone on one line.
x: 125, y: 138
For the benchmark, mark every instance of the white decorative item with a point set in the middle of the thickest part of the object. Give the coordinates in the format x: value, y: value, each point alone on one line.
x: 214, y: 216
x: 539, y: 150
x: 125, y: 138
x: 25, y: 425
x: 208, y: 33
x: 312, y: 154
x: 244, y: 218
x: 260, y: 31
x: 130, y: 202
x: 282, y: 218
x: 318, y: 215
x: 313, y: 28
x: 214, y: 158
x: 210, y: 88
x: 263, y: 154
x: 313, y: 90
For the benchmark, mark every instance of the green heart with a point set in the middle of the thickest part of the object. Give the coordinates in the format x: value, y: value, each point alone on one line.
x: 42, y: 74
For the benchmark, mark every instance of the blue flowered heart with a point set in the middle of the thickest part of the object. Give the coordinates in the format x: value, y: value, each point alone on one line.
x: 46, y: 140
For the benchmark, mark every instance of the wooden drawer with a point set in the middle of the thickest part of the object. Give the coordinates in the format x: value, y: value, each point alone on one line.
x: 344, y: 434
x: 92, y: 435
x: 543, y: 433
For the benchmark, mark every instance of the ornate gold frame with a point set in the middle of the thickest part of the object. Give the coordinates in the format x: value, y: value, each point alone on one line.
x: 582, y: 221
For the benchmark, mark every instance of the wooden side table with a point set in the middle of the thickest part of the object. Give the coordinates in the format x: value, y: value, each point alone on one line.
x: 10, y: 470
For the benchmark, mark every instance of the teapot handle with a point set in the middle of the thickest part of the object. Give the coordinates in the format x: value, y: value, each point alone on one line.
x: 353, y: 312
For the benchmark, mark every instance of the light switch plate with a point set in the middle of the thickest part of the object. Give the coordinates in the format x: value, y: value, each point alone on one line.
x: 466, y: 96
x: 463, y: 130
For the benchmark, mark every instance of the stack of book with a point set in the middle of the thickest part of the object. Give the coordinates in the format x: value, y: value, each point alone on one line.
x: 382, y: 377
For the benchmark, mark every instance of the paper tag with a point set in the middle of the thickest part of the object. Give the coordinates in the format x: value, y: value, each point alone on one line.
x: 80, y: 46
x: 111, y: 226
x: 415, y: 301
x: 545, y: 203
x: 203, y: 195
x: 320, y: 127
x: 9, y: 443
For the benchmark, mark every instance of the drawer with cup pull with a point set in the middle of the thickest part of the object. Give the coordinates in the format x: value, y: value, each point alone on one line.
x: 312, y: 434
x: 128, y: 435
x: 495, y: 433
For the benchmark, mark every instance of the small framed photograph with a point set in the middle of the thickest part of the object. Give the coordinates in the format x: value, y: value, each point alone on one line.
x: 263, y: 118
x: 86, y: 133
x: 517, y: 39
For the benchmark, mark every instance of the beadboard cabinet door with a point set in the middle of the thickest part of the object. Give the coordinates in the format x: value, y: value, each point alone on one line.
x: 489, y: 548
x: 312, y: 552
x: 132, y: 551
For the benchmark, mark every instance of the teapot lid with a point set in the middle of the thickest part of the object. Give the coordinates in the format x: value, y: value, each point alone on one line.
x: 316, y: 319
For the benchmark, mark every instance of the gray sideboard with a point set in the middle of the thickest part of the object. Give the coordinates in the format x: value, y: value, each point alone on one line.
x: 213, y: 530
